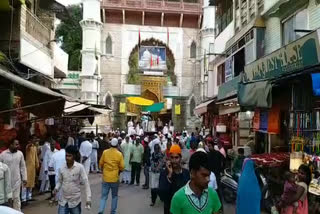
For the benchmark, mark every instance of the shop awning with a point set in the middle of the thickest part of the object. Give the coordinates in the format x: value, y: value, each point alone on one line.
x: 156, y: 107
x: 229, y: 88
x: 140, y: 101
x: 71, y: 107
x: 255, y: 95
x: 76, y: 108
x: 203, y: 107
x: 37, y: 99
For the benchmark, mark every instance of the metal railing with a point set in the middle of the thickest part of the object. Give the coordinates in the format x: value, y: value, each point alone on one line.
x: 36, y: 29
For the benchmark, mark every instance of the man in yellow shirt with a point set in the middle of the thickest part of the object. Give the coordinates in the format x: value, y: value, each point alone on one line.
x: 111, y: 163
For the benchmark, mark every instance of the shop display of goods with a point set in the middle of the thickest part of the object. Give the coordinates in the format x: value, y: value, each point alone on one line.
x: 271, y: 160
x: 314, y: 187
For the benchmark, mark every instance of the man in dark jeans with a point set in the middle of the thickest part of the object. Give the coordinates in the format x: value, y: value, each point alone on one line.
x: 216, y: 161
x: 172, y: 178
x: 50, y: 170
x: 146, y: 162
x: 136, y: 160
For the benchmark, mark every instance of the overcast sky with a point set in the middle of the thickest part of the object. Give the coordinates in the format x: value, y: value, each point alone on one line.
x: 69, y: 2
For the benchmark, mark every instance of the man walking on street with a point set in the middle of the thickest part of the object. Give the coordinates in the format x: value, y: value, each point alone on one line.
x: 14, y: 159
x: 216, y: 163
x: 85, y: 152
x: 58, y: 160
x: 94, y: 154
x: 126, y: 146
x: 5, y: 186
x: 146, y: 162
x: 49, y: 172
x: 42, y: 176
x: 172, y: 178
x: 195, y: 196
x: 32, y: 164
x: 136, y: 160
x: 71, y: 175
x: 111, y: 163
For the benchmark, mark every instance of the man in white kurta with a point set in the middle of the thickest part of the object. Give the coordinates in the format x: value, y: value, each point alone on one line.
x: 126, y: 147
x: 42, y: 176
x: 85, y: 152
x: 130, y: 127
x: 165, y: 129
x: 94, y: 156
x: 15, y: 161
x: 58, y: 159
x: 155, y: 141
x: 50, y: 174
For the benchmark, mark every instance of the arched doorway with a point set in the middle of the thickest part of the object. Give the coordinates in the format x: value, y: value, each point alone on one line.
x: 150, y: 96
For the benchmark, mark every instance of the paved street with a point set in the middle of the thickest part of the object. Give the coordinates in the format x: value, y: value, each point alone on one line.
x: 132, y: 200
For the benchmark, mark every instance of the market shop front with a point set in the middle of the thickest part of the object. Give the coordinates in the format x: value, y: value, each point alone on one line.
x: 232, y: 124
x: 279, y: 87
x: 282, y: 89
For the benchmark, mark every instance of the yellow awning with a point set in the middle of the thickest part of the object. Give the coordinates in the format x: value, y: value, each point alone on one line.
x: 140, y: 101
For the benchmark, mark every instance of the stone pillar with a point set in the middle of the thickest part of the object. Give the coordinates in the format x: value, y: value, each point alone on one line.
x: 119, y: 119
x: 180, y: 121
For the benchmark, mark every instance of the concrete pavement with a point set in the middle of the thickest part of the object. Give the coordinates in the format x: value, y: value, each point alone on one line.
x: 132, y: 200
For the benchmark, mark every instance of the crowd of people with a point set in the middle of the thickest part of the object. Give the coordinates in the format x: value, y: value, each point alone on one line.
x: 170, y: 161
x: 183, y: 171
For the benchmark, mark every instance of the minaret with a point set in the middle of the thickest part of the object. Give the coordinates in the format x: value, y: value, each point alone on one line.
x: 91, y: 51
x: 207, y: 38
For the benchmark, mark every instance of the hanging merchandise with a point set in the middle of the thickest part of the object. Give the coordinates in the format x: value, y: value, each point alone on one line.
x: 256, y: 120
x: 316, y: 84
x: 316, y: 143
x: 49, y: 122
x: 297, y: 144
x: 318, y: 120
x: 263, y: 121
x: 274, y: 120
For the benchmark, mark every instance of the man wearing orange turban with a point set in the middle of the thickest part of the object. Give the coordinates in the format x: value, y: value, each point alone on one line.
x: 172, y: 178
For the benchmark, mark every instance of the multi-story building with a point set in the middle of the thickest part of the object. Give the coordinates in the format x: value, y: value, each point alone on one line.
x: 248, y: 33
x: 28, y: 39
x: 28, y: 49
x: 172, y: 24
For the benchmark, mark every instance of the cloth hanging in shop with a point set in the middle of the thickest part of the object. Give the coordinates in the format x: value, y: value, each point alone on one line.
x: 255, y: 95
x: 256, y: 120
x: 274, y: 120
x: 316, y: 84
x: 263, y: 121
x: 140, y: 101
x: 156, y: 107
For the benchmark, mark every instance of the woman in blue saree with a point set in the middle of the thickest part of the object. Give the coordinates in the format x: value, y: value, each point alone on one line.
x: 249, y: 193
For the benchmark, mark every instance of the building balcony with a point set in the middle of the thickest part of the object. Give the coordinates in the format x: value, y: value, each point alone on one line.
x: 165, y: 6
x: 27, y: 40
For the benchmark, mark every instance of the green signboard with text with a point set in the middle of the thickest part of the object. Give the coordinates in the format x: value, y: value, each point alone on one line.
x: 291, y: 58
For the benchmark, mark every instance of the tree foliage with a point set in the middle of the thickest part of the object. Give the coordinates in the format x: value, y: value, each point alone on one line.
x: 69, y: 33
